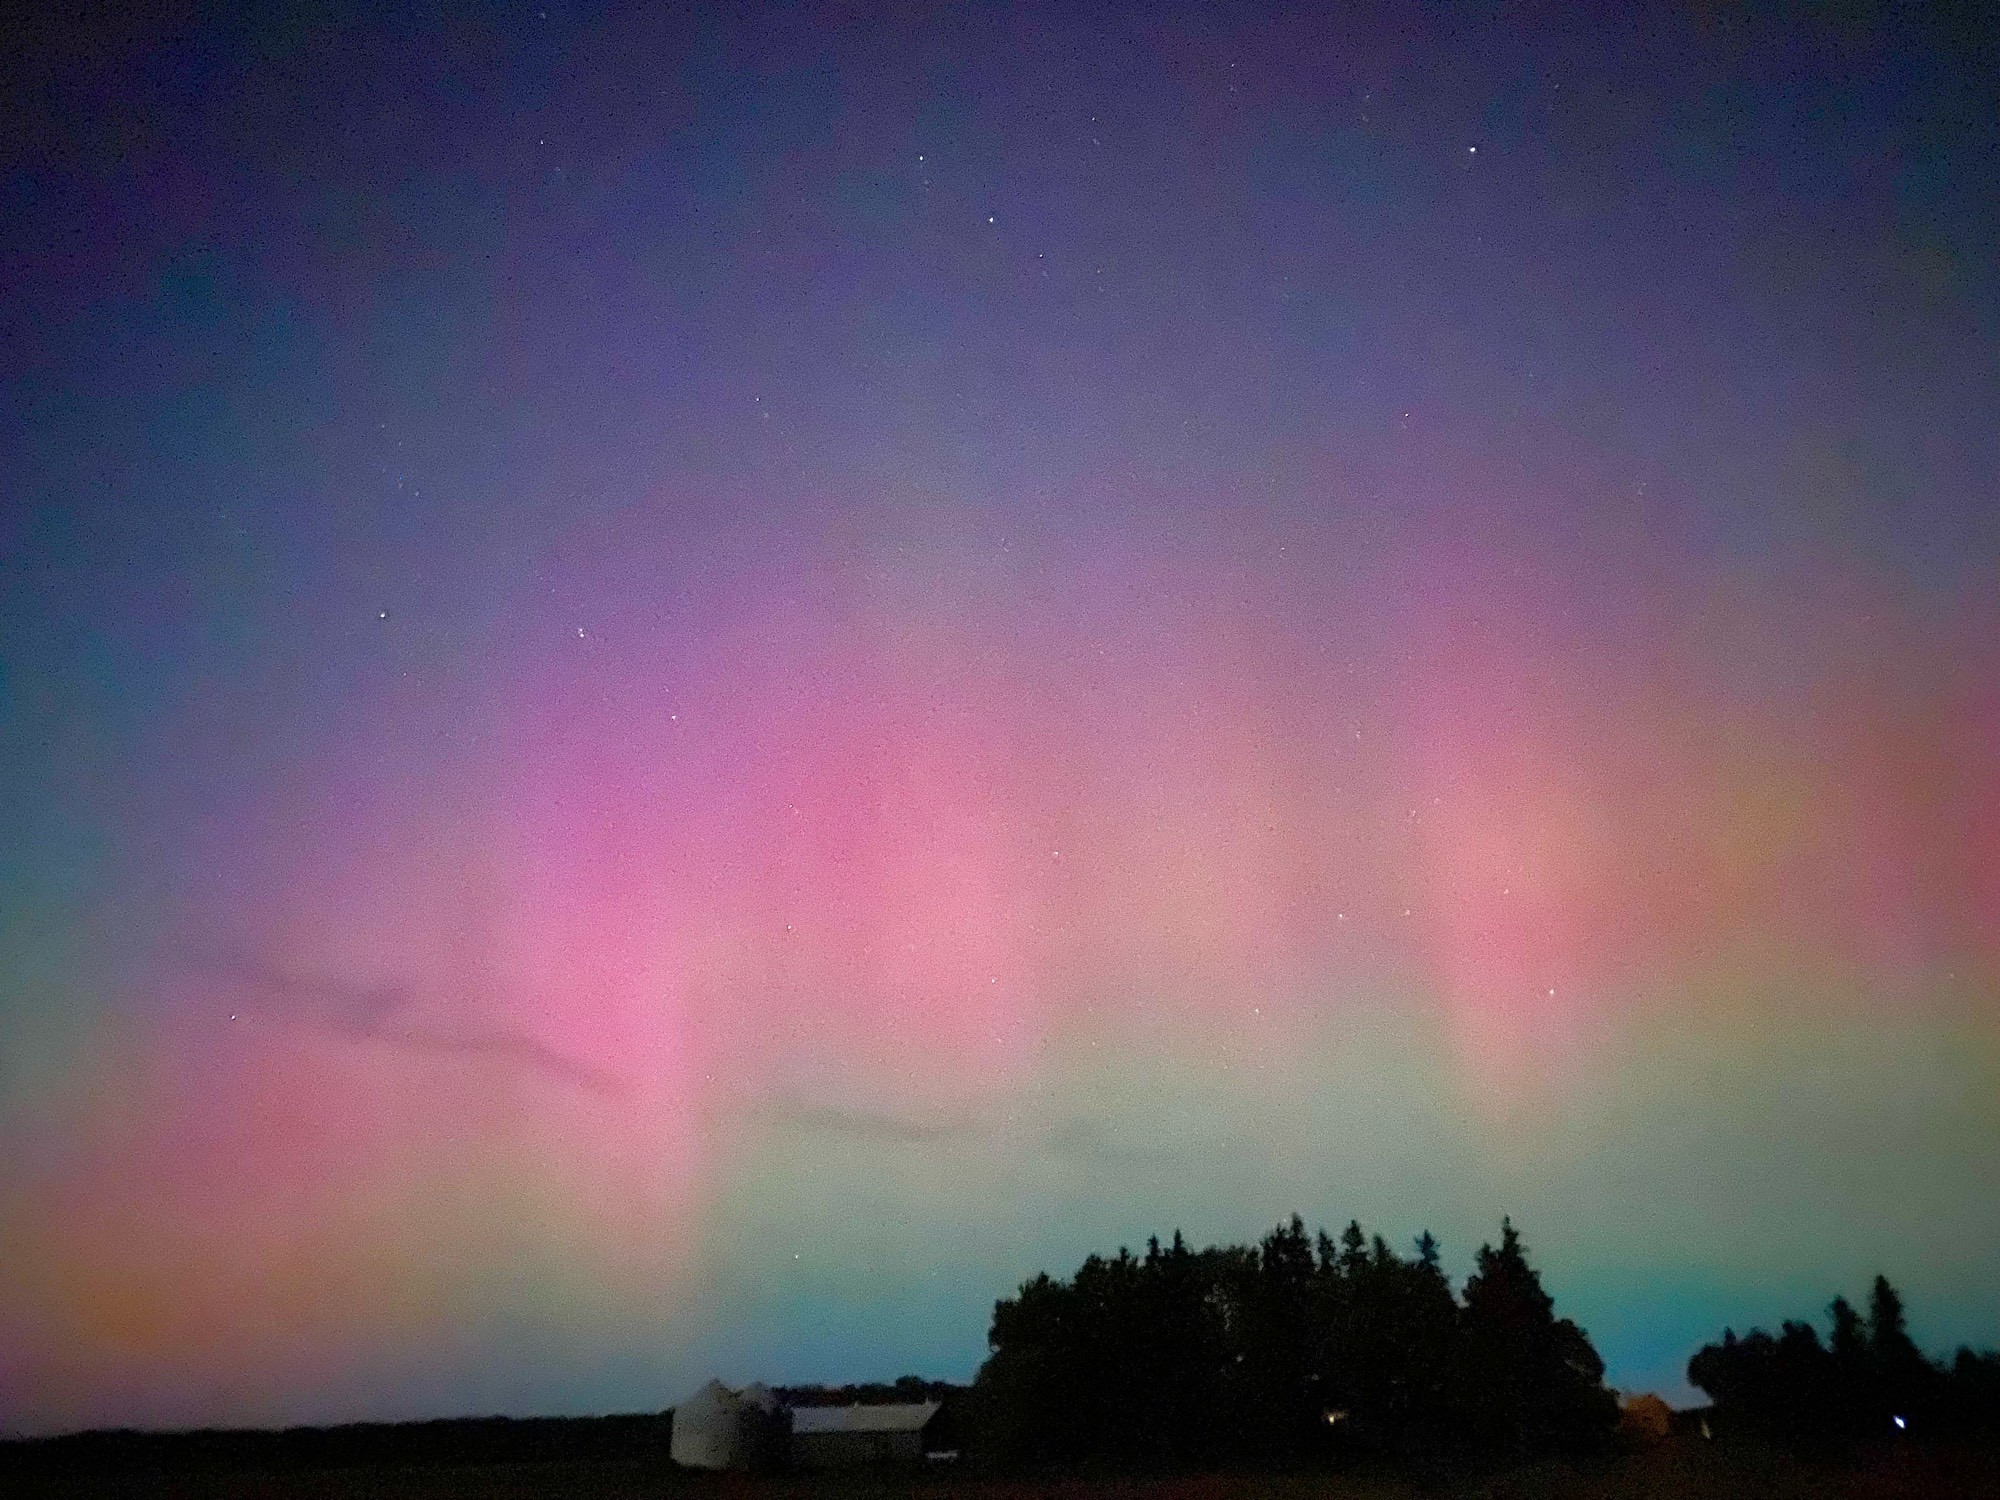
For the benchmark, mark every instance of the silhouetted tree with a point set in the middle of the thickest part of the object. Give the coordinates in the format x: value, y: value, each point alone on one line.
x: 1869, y: 1382
x: 1276, y: 1392
x: 1906, y: 1384
x: 1390, y: 1345
x: 1536, y: 1382
x: 1969, y: 1404
x: 1182, y: 1333
x: 1282, y: 1350
x: 1850, y: 1378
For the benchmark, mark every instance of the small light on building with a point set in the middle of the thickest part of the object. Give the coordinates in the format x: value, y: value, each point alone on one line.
x: 1335, y: 1418
x: 1901, y: 1425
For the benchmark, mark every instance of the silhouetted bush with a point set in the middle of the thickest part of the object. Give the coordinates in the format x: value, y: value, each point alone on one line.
x: 1295, y: 1348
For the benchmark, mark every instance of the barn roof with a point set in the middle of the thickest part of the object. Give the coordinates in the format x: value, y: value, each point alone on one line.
x: 903, y: 1417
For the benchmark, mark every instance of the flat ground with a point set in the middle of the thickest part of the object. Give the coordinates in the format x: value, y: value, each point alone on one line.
x: 1677, y: 1470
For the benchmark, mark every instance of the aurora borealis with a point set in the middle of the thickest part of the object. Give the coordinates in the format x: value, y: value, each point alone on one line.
x: 679, y: 693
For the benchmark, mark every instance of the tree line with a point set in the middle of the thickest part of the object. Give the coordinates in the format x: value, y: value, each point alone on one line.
x: 1296, y: 1346
x: 1868, y: 1380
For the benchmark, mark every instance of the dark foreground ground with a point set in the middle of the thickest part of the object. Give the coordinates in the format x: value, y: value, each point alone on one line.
x: 1676, y: 1470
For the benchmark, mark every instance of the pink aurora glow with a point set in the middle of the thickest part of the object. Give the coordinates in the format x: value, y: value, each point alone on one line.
x: 890, y: 844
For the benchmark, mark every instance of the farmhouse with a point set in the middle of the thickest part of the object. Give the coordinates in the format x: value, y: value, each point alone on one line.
x: 826, y: 1437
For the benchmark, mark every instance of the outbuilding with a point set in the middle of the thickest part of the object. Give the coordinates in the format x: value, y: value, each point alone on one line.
x: 830, y: 1437
x: 1645, y: 1417
x: 717, y: 1428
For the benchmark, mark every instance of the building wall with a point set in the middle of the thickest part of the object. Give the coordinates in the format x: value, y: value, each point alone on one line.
x: 707, y: 1432
x: 837, y: 1450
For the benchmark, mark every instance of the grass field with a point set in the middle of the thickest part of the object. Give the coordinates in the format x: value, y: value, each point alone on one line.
x: 1678, y: 1470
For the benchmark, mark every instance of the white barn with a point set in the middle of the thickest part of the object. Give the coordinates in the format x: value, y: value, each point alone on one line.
x: 717, y: 1428
x: 826, y: 1437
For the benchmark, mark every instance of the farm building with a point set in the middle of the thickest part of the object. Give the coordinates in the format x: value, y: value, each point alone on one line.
x: 717, y: 1428
x: 827, y: 1437
x: 1645, y: 1417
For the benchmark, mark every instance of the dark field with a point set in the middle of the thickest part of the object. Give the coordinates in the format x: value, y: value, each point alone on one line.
x: 1670, y: 1471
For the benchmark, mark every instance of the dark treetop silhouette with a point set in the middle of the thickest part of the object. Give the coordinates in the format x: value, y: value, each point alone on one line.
x: 1869, y: 1381
x: 1293, y: 1347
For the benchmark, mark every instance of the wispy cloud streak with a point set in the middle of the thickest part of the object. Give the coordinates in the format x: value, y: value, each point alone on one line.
x: 391, y: 1015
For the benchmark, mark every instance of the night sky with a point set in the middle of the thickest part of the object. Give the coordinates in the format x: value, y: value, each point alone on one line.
x: 678, y: 693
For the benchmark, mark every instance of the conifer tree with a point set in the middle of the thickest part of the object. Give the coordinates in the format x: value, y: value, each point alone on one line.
x: 1869, y: 1383
x: 1244, y: 1352
x: 1537, y: 1382
x: 1905, y: 1382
